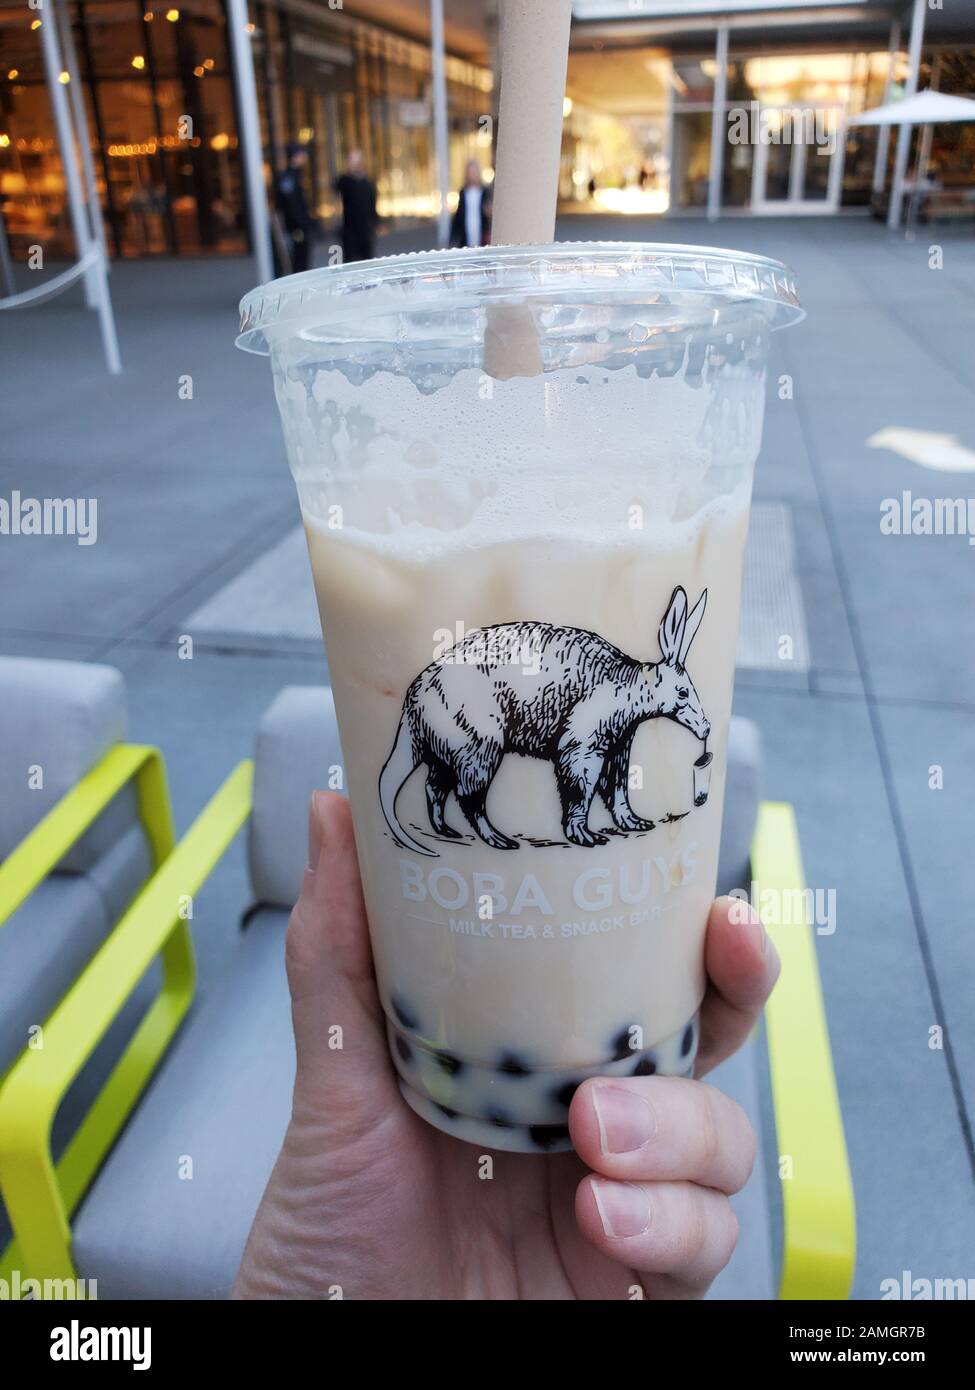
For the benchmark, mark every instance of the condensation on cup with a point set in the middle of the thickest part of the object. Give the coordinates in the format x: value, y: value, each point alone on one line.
x: 529, y: 589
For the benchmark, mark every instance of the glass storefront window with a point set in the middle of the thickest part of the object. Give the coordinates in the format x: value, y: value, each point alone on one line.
x: 691, y: 159
x: 161, y: 119
x: 615, y: 154
x: 693, y: 81
x: 160, y: 104
x: 357, y: 87
x: 736, y: 177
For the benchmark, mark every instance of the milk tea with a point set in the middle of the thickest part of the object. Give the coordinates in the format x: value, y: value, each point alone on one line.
x: 529, y: 590
x: 537, y: 894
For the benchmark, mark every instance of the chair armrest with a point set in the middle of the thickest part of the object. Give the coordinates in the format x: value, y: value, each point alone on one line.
x: 47, y: 844
x: 39, y: 1197
x: 817, y: 1199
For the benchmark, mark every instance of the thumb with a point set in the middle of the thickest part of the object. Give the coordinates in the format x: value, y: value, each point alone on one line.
x: 344, y: 1078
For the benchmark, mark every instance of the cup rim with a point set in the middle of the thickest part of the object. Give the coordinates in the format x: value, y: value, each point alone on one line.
x: 502, y: 274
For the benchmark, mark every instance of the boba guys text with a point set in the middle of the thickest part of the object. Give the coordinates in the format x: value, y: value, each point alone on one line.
x: 627, y: 893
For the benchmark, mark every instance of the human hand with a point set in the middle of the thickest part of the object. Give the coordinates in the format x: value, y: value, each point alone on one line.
x: 367, y: 1201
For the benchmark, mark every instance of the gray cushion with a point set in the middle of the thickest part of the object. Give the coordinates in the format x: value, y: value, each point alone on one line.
x: 43, y: 948
x: 297, y: 749
x: 742, y: 792
x: 122, y: 870
x: 222, y: 1099
x: 62, y: 716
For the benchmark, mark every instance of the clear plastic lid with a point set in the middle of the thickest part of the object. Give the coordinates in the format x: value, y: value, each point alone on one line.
x: 436, y: 281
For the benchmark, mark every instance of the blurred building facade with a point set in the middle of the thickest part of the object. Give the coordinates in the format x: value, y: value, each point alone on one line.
x: 652, y: 83
x: 161, y: 107
x: 651, y: 87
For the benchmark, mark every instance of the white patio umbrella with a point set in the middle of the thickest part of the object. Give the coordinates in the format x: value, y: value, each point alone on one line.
x: 924, y: 108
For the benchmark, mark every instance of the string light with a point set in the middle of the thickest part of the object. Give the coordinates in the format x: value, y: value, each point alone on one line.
x: 63, y: 78
x: 13, y: 73
x: 138, y: 61
x: 172, y: 16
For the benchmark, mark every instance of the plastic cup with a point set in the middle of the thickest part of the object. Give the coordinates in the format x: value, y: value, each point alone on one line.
x: 529, y: 590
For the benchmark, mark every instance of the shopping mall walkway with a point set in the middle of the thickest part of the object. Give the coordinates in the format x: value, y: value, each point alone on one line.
x: 196, y: 534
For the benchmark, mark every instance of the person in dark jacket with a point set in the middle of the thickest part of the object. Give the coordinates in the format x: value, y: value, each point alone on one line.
x: 471, y: 224
x: 292, y: 204
x: 359, y: 216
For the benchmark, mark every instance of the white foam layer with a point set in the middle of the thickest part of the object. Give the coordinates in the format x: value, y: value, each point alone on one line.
x: 499, y: 525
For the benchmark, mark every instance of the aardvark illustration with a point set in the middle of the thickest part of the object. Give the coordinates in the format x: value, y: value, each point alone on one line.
x: 576, y: 703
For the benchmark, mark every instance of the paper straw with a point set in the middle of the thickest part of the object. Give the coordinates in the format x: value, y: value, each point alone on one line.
x: 534, y: 58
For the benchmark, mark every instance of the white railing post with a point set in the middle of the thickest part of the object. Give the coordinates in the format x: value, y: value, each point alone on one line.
x: 905, y: 131
x: 80, y: 118
x: 719, y: 123
x: 883, y: 135
x: 251, y: 152
x: 51, y: 51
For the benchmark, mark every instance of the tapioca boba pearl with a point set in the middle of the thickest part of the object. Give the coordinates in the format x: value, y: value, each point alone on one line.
x: 403, y: 1012
x: 645, y: 1067
x: 622, y: 1047
x: 449, y: 1063
x: 513, y: 1065
x: 446, y: 1110
x: 544, y: 1136
x: 563, y: 1094
x: 404, y: 1049
x: 687, y: 1041
x: 499, y: 1118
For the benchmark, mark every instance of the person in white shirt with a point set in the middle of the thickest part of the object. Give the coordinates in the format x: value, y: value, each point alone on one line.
x: 471, y: 225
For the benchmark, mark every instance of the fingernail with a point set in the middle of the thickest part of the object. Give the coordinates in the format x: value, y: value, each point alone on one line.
x: 626, y: 1121
x: 624, y: 1208
x: 752, y: 923
x: 314, y: 835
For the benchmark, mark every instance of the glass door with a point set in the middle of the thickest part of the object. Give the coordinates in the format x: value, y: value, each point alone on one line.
x: 798, y: 161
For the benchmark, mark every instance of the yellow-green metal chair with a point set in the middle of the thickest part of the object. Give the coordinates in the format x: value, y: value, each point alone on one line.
x: 40, y: 1195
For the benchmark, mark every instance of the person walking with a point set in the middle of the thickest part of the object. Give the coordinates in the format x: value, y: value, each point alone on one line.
x: 292, y: 204
x: 471, y: 224
x: 359, y: 216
